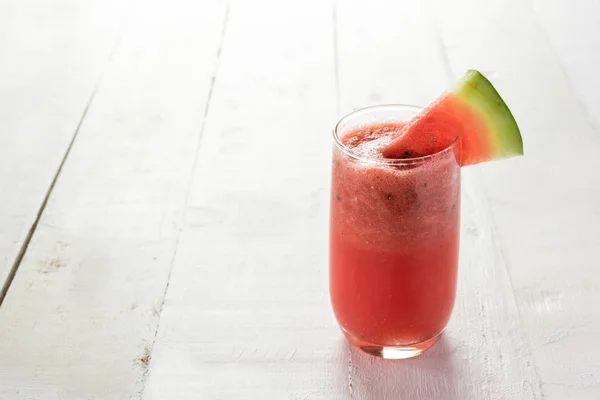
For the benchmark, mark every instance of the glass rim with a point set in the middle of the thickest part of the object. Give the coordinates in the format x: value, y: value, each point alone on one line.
x: 386, y: 161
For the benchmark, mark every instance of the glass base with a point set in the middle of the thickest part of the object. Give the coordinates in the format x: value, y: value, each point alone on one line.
x: 393, y: 352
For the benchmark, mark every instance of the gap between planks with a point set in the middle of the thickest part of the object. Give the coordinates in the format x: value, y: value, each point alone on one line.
x: 187, y: 194
x: 19, y: 258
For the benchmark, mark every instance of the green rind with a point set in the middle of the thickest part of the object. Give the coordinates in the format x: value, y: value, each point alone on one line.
x: 477, y: 91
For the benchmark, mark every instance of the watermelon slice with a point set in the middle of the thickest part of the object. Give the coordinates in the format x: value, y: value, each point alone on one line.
x: 472, y: 112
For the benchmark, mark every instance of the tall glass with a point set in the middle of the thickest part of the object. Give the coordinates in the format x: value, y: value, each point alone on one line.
x: 394, y: 238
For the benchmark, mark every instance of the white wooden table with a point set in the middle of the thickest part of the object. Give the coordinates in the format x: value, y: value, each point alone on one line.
x: 164, y: 177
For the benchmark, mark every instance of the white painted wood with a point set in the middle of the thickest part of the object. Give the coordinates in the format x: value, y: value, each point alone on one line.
x: 80, y: 318
x: 374, y: 66
x: 572, y: 28
x: 545, y: 205
x: 51, y: 57
x: 247, y: 312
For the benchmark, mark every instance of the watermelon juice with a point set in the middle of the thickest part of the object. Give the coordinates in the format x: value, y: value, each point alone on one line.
x: 394, y: 236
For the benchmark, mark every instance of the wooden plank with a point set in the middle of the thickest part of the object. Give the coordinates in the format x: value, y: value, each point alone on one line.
x: 572, y: 29
x: 544, y: 205
x: 51, y: 57
x: 373, y: 57
x: 80, y: 318
x: 247, y: 312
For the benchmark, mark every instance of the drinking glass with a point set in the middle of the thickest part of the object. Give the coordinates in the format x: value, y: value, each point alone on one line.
x: 394, y: 238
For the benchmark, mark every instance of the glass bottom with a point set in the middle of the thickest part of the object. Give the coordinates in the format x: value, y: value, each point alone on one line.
x: 392, y: 352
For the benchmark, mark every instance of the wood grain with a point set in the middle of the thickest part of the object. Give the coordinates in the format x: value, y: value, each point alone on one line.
x: 80, y: 318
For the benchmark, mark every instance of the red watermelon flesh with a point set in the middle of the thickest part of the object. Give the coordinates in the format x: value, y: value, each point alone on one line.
x: 472, y: 113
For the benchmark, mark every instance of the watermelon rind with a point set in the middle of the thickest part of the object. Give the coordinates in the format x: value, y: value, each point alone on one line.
x: 476, y: 90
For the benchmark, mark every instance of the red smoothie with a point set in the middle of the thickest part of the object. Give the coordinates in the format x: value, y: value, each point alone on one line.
x: 394, y: 239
